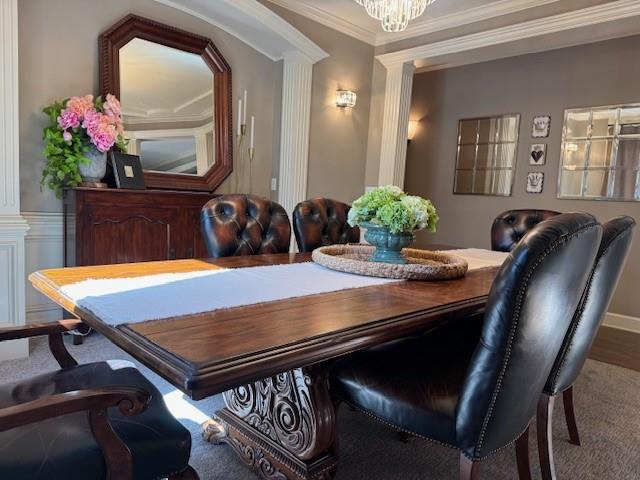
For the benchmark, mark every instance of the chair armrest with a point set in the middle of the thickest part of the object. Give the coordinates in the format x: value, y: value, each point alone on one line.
x: 130, y: 401
x: 39, y: 329
x: 54, y: 330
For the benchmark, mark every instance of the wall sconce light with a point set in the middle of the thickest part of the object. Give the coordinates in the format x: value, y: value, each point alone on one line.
x: 413, y: 128
x: 345, y: 98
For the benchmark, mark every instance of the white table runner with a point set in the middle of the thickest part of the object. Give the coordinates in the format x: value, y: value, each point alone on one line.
x: 478, y: 258
x: 130, y: 300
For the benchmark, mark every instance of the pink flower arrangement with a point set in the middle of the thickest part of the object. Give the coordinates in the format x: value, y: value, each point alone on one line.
x: 101, y: 121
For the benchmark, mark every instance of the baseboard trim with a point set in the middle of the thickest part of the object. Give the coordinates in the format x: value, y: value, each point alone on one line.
x: 622, y: 322
x: 42, y: 313
x: 617, y: 346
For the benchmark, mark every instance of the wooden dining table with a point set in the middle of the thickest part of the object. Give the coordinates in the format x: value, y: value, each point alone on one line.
x: 272, y: 360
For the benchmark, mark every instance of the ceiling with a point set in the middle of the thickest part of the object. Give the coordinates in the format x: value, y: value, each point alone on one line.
x: 162, y: 84
x: 350, y: 18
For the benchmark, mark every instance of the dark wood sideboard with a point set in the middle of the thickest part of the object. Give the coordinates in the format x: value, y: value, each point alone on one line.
x: 107, y: 226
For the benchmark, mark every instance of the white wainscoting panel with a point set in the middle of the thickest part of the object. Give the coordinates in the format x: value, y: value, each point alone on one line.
x: 44, y: 247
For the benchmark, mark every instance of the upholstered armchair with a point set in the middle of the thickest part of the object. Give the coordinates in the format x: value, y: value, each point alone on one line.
x: 97, y: 421
x: 612, y: 254
x: 322, y: 221
x: 244, y: 225
x: 509, y: 227
x: 478, y: 394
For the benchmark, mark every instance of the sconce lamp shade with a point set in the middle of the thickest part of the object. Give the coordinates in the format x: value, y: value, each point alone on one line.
x: 413, y: 127
x: 345, y: 98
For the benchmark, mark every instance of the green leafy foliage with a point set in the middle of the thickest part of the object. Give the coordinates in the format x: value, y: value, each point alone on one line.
x: 63, y: 157
x: 391, y: 208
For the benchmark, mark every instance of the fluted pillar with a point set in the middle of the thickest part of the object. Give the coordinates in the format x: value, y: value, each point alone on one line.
x: 397, y: 103
x: 12, y: 226
x: 294, y: 136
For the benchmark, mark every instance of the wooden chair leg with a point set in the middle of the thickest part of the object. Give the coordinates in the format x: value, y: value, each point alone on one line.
x: 522, y: 456
x: 188, y: 474
x: 570, y: 415
x: 545, y: 439
x: 469, y: 470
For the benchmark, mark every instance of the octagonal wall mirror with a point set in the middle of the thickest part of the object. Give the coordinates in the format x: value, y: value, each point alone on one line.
x: 175, y: 91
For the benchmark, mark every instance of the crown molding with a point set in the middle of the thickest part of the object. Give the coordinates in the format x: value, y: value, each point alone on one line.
x: 252, y: 23
x: 445, y: 22
x: 324, y: 18
x: 617, y: 10
x: 459, y: 19
x: 168, y: 133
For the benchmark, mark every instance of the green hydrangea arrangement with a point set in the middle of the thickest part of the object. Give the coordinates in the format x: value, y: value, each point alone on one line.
x: 393, y: 209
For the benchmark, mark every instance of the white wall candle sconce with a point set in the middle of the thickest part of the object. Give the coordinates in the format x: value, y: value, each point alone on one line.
x: 242, y: 119
x: 345, y: 99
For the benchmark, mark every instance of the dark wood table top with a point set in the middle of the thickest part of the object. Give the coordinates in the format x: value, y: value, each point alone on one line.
x: 207, y: 353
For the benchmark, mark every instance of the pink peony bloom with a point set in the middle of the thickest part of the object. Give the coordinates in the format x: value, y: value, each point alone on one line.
x: 103, y: 137
x: 67, y: 136
x: 112, y: 107
x: 68, y: 119
x: 92, y: 120
x: 81, y: 105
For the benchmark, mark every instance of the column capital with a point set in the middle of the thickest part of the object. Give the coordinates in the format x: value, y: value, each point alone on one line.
x: 298, y: 57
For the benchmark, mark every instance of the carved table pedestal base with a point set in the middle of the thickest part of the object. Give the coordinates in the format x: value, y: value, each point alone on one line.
x: 282, y: 427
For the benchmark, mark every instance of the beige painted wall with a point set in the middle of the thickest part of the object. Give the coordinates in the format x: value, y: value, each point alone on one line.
x: 338, y: 138
x: 546, y: 83
x: 58, y: 54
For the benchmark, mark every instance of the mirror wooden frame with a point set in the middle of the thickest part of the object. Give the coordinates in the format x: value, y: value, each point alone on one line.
x: 133, y: 26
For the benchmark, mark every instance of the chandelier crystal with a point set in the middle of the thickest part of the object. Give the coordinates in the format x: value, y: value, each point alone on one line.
x: 395, y: 14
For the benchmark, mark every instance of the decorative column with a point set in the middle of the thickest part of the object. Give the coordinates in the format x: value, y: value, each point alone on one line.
x: 294, y: 136
x: 397, y: 103
x: 12, y: 226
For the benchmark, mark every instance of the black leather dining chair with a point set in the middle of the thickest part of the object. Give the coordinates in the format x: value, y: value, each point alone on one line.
x: 96, y: 421
x: 612, y: 254
x: 322, y: 221
x: 239, y: 224
x: 510, y: 226
x: 478, y: 395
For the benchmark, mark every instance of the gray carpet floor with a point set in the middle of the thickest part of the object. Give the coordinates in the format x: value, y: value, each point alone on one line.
x: 607, y: 404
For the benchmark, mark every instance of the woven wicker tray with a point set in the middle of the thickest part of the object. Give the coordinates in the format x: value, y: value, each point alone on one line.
x: 422, y: 264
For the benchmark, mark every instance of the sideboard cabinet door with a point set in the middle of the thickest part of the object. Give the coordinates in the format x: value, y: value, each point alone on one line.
x: 124, y: 237
x: 107, y: 226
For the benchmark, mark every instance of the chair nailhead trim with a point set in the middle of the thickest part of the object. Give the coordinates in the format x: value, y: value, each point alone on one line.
x: 581, y: 310
x: 518, y: 305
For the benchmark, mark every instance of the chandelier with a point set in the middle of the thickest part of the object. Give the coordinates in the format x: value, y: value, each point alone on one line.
x: 395, y: 14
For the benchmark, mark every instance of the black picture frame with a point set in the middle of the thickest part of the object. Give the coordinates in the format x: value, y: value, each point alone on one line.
x: 127, y: 171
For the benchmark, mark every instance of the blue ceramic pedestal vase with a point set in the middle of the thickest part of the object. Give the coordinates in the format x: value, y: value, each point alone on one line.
x: 388, y: 245
x: 95, y: 171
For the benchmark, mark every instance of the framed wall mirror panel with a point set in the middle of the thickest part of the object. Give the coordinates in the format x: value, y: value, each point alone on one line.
x: 600, y: 154
x: 486, y: 155
x: 175, y: 92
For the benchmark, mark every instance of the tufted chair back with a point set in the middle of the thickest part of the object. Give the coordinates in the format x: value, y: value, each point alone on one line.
x: 322, y: 221
x: 530, y: 306
x: 244, y: 225
x: 614, y: 249
x: 510, y: 226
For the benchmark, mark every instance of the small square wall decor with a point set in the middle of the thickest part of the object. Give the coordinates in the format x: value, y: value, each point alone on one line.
x: 541, y: 126
x: 535, y: 180
x: 538, y: 155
